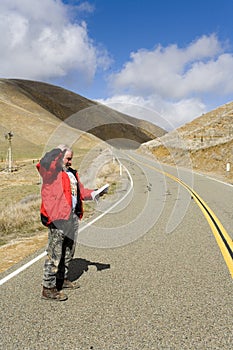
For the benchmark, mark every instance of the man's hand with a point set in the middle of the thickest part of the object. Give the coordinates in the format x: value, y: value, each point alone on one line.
x: 100, y: 192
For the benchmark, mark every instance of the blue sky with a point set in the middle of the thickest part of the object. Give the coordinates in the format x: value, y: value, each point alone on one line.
x: 166, y: 61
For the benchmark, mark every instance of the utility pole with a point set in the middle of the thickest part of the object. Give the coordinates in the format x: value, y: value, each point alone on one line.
x: 8, y: 137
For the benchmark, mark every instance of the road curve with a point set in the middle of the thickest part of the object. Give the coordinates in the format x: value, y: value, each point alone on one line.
x: 152, y: 275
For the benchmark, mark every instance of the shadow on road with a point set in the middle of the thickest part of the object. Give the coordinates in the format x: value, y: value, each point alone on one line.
x: 79, y: 266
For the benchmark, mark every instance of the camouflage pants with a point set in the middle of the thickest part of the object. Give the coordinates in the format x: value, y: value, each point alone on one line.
x: 60, y: 251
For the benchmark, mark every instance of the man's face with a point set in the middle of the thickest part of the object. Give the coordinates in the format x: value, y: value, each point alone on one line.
x: 67, y: 160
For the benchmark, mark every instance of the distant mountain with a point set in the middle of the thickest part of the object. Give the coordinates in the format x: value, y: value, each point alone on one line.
x: 204, y: 144
x: 41, y: 114
x: 76, y: 111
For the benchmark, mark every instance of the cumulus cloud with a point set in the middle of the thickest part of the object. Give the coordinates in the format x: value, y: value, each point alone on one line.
x: 41, y: 41
x: 174, y: 81
x: 166, y: 114
x: 175, y: 72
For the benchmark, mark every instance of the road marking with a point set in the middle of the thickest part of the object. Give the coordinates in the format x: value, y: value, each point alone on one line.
x: 31, y: 262
x: 223, y: 239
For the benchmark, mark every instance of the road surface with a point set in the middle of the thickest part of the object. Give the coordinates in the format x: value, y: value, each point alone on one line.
x: 154, y: 272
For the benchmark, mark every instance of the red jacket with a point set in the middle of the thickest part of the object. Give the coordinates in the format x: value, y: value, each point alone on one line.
x: 56, y: 191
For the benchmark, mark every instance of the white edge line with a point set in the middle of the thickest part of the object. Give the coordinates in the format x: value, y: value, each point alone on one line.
x: 212, y: 178
x: 31, y: 262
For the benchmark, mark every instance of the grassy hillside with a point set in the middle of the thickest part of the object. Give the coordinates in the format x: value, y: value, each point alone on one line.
x: 205, y: 144
x: 32, y: 125
x: 82, y: 113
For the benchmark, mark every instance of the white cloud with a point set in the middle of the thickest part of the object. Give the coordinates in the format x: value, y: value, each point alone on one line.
x: 41, y: 41
x: 177, y: 73
x: 166, y: 114
x: 215, y: 76
x: 173, y: 82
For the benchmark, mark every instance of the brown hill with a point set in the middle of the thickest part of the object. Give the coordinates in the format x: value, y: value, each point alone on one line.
x: 23, y: 97
x: 35, y: 112
x: 205, y: 144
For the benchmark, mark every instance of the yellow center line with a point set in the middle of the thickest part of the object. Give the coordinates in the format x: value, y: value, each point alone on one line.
x: 223, y: 239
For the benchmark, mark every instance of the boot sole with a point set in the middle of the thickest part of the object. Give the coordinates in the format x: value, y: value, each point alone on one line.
x: 54, y: 299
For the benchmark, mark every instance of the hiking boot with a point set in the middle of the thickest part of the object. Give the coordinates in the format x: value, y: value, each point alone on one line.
x: 53, y: 294
x: 70, y: 285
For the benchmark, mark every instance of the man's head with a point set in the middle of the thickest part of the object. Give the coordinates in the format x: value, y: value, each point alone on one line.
x: 67, y: 159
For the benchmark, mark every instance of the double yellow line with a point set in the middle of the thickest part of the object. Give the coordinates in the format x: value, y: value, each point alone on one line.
x: 224, y: 241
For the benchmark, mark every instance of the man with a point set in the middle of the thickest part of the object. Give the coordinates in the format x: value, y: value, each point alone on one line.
x: 62, y: 194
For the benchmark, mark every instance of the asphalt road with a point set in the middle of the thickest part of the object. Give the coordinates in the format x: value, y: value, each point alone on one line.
x: 152, y: 274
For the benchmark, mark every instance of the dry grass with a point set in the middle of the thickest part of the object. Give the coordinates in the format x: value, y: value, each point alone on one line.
x: 19, y: 203
x: 20, y: 220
